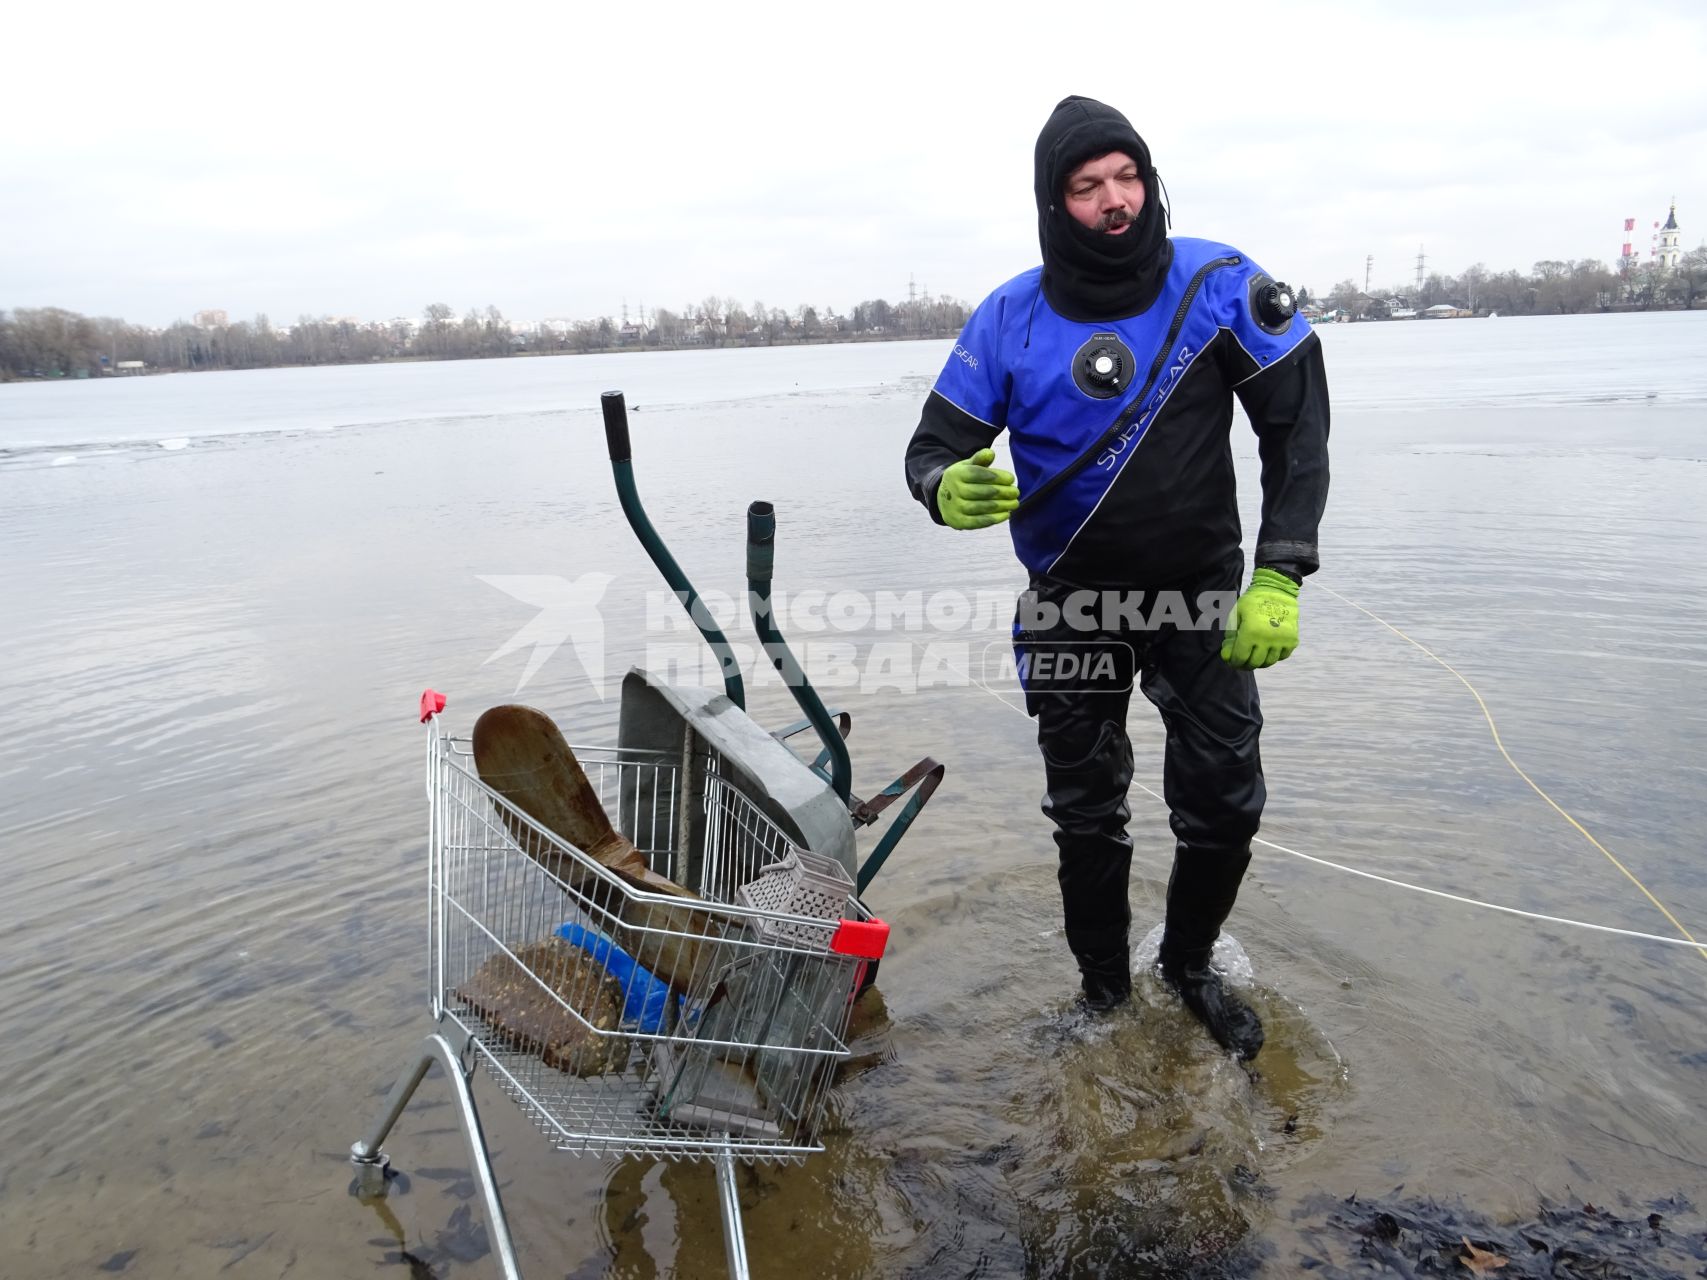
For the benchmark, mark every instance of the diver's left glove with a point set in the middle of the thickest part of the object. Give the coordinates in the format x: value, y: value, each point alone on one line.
x: 1264, y: 627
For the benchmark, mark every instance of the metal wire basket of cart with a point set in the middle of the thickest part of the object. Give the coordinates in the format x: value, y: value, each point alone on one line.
x: 704, y: 1022
x: 625, y: 1023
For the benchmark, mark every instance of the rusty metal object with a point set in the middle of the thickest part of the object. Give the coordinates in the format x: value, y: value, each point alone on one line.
x: 520, y: 753
x: 519, y: 996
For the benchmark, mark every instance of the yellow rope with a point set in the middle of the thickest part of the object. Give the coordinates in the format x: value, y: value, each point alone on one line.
x: 1534, y: 786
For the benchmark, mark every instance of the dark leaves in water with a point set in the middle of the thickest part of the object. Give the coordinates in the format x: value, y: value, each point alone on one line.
x: 240, y: 1249
x: 419, y: 1268
x: 1358, y: 1237
x: 464, y: 1237
x: 458, y: 1182
x: 119, y: 1261
x: 463, y: 1240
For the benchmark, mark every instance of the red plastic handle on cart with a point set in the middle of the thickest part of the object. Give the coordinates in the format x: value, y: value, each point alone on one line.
x: 432, y: 702
x: 863, y: 938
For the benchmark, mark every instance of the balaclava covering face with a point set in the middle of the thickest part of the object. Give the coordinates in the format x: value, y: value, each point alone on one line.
x: 1090, y: 275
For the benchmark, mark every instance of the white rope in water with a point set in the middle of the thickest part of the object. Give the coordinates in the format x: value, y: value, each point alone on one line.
x: 1472, y: 902
x: 1688, y: 938
x: 1685, y: 941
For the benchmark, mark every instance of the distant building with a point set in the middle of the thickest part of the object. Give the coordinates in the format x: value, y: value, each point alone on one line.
x: 1445, y: 311
x: 1668, y: 251
x: 213, y: 319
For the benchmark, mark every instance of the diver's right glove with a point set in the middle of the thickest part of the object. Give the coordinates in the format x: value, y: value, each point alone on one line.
x: 973, y: 495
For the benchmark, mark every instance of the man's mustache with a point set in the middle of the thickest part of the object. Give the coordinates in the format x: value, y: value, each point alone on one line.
x: 1115, y: 218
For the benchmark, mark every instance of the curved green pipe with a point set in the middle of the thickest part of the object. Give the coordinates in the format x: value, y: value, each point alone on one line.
x: 761, y: 555
x: 622, y: 465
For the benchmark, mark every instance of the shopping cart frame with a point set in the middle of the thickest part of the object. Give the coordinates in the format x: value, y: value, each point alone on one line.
x: 782, y: 1025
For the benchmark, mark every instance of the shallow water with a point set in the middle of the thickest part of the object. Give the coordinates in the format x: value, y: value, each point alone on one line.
x: 211, y: 807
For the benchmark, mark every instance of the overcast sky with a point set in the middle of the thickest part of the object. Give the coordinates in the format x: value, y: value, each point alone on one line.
x: 559, y: 159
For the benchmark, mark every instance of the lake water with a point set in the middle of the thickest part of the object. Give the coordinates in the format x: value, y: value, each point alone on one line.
x: 223, y: 594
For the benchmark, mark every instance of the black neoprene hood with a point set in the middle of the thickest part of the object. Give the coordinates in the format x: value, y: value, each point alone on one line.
x: 1089, y: 275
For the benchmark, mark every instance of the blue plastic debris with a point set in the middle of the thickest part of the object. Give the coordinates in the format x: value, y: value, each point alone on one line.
x: 645, y: 997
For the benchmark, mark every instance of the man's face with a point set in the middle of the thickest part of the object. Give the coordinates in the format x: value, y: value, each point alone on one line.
x: 1106, y: 193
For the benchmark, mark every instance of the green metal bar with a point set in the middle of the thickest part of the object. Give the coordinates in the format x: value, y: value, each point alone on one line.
x: 761, y: 556
x: 844, y: 722
x: 622, y: 465
x: 928, y: 774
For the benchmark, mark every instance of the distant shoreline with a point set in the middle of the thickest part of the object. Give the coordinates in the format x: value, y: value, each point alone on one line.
x: 637, y: 348
x: 632, y: 348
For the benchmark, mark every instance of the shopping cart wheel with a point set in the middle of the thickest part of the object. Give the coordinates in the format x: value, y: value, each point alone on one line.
x: 373, y: 1172
x: 371, y: 1163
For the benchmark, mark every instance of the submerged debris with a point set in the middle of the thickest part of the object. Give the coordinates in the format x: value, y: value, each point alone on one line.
x: 1571, y: 1241
x: 508, y: 992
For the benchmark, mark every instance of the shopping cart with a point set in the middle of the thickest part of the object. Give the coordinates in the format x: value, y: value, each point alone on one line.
x: 627, y: 1023
x: 734, y: 1060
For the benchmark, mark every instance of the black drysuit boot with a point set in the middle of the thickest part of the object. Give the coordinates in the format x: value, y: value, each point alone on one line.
x: 1106, y: 981
x: 1201, y: 892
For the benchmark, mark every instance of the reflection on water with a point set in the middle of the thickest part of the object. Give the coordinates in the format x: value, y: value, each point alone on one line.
x: 212, y: 813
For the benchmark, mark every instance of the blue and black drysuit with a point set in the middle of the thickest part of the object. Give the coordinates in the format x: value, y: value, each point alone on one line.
x: 1130, y: 487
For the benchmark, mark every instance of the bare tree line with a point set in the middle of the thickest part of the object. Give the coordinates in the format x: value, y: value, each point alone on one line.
x: 1552, y: 287
x: 50, y: 342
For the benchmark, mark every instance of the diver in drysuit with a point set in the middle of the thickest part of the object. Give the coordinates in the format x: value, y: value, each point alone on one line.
x: 1113, y: 368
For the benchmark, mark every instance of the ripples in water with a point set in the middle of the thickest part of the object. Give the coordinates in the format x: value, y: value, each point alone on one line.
x: 211, y: 805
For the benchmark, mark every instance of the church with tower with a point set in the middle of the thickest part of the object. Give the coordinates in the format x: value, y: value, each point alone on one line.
x: 1668, y: 252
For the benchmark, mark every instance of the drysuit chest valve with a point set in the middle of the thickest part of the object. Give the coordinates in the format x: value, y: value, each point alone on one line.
x: 1103, y: 366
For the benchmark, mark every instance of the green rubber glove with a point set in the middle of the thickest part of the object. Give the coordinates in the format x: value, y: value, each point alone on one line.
x: 972, y: 495
x: 1264, y: 627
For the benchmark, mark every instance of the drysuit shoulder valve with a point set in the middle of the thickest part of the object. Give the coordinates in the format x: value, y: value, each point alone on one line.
x: 1102, y: 367
x: 1273, y: 304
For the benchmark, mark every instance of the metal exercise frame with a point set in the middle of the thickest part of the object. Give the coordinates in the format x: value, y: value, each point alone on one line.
x: 651, y: 1024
